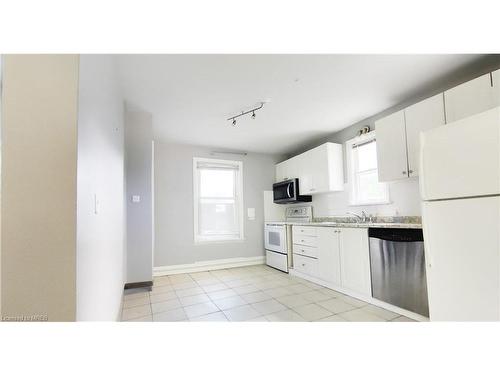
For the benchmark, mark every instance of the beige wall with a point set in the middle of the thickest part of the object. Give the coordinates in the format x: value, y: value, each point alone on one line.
x: 38, y: 228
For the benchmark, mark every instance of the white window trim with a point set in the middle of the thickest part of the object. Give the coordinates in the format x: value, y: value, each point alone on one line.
x: 196, y: 198
x: 351, y: 175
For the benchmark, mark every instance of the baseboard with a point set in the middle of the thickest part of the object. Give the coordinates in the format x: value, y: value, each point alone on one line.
x: 140, y: 284
x: 369, y: 299
x: 210, y: 265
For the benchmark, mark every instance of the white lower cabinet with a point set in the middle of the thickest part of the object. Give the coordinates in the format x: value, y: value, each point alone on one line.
x: 355, y: 260
x: 338, y: 256
x: 329, y: 255
x: 306, y: 265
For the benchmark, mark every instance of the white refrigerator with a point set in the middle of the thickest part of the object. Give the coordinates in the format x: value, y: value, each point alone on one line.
x: 460, y: 189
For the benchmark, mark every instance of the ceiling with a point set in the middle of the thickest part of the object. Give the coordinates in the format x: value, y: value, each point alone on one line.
x: 308, y: 96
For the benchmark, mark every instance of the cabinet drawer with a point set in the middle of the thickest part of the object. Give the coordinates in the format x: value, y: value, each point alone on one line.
x: 306, y: 265
x: 305, y: 240
x: 304, y: 231
x: 305, y: 250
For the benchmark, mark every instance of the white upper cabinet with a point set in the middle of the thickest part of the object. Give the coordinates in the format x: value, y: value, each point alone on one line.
x: 391, y: 147
x: 329, y: 255
x: 319, y: 170
x: 471, y: 97
x: 420, y: 117
x: 398, y: 138
x: 355, y: 260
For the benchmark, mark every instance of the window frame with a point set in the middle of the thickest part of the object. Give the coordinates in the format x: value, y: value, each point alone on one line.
x: 203, y: 239
x: 353, y: 174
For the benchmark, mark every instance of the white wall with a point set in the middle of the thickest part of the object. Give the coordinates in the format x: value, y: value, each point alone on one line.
x: 404, y: 196
x: 174, y: 242
x: 100, y: 237
x: 139, y: 171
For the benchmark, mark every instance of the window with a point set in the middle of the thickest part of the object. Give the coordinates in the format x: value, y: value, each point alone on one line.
x: 363, y: 174
x: 218, y: 200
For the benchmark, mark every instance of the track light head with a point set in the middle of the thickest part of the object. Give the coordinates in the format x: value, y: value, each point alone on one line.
x: 234, y: 122
x: 253, y: 115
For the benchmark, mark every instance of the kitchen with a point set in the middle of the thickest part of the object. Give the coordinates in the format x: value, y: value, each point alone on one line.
x: 346, y: 217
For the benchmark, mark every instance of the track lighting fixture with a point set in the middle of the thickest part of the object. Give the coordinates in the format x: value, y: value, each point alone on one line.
x: 252, y: 111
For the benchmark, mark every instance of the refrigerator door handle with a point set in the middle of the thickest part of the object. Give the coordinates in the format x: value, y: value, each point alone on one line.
x: 421, y: 177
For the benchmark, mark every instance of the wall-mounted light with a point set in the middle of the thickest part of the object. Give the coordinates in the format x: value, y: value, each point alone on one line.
x: 252, y: 111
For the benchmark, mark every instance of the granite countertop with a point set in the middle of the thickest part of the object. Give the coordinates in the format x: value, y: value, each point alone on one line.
x: 348, y: 222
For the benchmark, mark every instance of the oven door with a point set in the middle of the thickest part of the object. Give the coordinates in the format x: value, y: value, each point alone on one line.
x: 275, y: 238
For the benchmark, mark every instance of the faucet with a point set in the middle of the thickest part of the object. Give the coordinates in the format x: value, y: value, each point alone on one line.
x: 361, y: 218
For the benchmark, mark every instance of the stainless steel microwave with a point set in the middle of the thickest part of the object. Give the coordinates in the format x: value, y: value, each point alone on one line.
x: 288, y: 192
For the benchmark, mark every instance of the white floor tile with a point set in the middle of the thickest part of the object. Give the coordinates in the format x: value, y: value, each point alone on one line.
x: 293, y: 300
x: 161, y: 289
x: 194, y: 300
x: 230, y: 302
x: 314, y: 296
x: 215, y: 287
x: 312, y: 312
x: 133, y: 294
x: 186, y: 285
x: 380, y: 312
x: 165, y: 305
x: 208, y: 281
x: 268, y: 307
x: 353, y: 301
x: 189, y: 292
x: 179, y: 278
x: 245, y: 289
x: 336, y: 305
x: 170, y: 316
x: 359, y: 315
x: 147, y: 318
x: 155, y: 298
x: 136, y: 312
x: 241, y: 313
x: 221, y: 294
x: 213, y: 317
x: 333, y: 318
x: 278, y: 292
x: 136, y: 302
x: 256, y: 297
x: 285, y: 316
x: 299, y: 288
x: 200, y: 309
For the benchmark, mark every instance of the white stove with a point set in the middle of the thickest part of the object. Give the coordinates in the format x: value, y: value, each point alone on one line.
x: 278, y: 237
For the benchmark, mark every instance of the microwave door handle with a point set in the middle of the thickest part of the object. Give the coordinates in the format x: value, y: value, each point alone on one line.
x: 288, y: 190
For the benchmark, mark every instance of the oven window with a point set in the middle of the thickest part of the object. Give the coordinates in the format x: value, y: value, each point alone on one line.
x: 274, y: 238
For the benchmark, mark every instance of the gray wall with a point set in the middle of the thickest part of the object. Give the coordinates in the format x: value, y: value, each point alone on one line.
x: 174, y: 242
x: 100, y: 237
x: 139, y: 171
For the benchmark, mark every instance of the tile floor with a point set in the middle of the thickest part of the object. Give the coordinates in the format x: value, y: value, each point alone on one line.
x: 255, y: 293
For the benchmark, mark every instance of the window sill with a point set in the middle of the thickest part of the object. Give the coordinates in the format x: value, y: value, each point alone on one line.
x: 380, y: 203
x: 218, y: 241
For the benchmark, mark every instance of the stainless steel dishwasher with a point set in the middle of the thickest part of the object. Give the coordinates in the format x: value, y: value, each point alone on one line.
x: 397, y: 262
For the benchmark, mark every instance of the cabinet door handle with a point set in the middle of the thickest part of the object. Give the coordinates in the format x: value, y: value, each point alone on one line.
x: 404, y: 172
x: 410, y: 171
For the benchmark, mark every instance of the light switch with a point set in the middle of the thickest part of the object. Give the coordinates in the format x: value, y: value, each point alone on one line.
x: 251, y: 213
x: 136, y: 198
x: 97, y: 205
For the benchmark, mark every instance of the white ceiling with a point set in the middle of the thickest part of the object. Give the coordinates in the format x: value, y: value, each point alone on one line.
x: 191, y: 96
